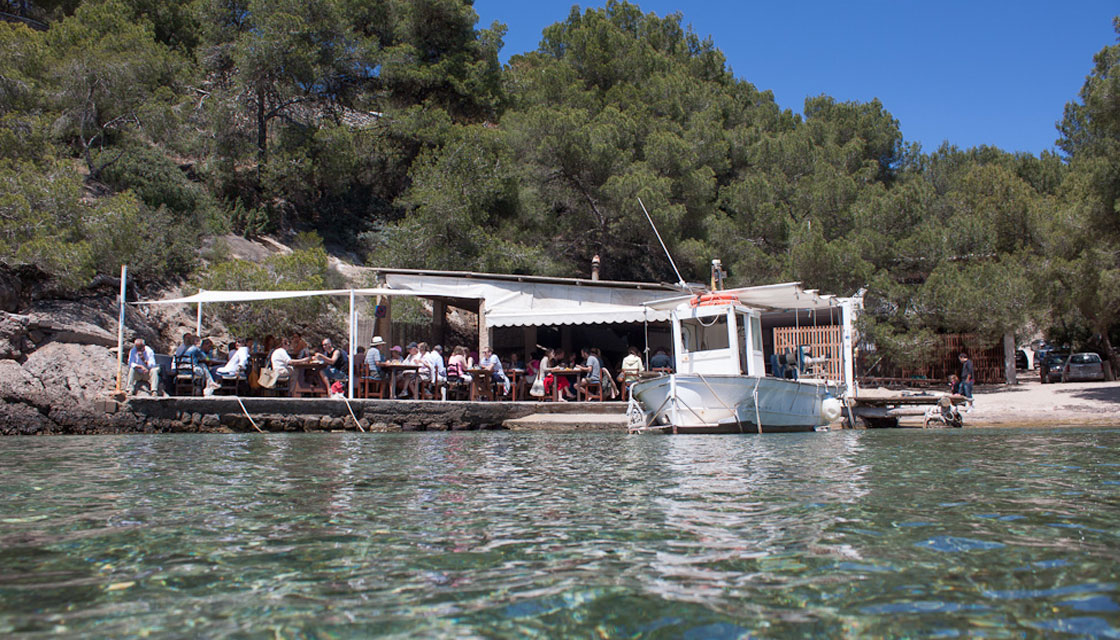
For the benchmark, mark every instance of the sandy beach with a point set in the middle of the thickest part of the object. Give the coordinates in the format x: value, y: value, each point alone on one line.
x: 1032, y: 403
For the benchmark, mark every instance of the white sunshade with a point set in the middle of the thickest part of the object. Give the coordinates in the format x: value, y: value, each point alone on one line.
x: 256, y: 296
x: 533, y: 303
x: 771, y: 297
x: 617, y: 314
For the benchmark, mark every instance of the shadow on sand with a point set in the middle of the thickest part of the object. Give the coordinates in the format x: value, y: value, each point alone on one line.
x: 1110, y: 393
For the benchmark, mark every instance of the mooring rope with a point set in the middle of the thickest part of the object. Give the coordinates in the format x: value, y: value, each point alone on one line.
x: 351, y: 409
x: 246, y: 412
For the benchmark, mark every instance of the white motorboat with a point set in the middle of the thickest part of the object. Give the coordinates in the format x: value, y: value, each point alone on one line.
x: 720, y: 383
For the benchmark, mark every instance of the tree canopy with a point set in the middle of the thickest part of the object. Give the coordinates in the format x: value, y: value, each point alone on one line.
x: 390, y: 128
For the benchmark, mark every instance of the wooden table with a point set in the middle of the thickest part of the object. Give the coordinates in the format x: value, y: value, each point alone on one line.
x: 393, y: 368
x: 300, y: 386
x: 562, y: 371
x: 482, y: 383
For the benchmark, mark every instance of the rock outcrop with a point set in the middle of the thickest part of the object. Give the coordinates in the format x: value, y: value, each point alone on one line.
x: 58, y: 356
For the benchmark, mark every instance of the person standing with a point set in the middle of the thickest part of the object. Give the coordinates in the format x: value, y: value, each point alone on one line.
x: 967, y: 377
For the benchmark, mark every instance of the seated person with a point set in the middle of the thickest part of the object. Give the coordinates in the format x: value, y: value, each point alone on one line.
x: 395, y: 353
x: 661, y: 360
x: 238, y: 361
x: 297, y: 346
x: 493, y: 364
x: 457, y: 366
x: 187, y: 343
x: 408, y: 381
x: 281, y: 360
x: 593, y: 369
x: 374, y: 358
x: 632, y: 368
x: 142, y: 368
x: 430, y: 365
x: 437, y: 358
x: 336, y: 362
x: 515, y: 361
x: 200, y: 360
x: 554, y: 359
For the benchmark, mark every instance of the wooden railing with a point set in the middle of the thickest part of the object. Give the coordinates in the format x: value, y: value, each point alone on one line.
x: 822, y: 341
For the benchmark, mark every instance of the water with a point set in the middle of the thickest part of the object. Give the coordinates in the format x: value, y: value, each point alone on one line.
x: 505, y: 535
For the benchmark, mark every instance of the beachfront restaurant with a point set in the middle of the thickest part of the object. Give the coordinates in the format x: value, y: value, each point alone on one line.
x: 518, y: 313
x: 521, y: 314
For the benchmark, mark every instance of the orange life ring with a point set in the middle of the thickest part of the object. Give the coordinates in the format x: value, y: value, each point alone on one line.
x: 713, y: 299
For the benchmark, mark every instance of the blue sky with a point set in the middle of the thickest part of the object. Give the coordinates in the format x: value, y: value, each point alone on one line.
x: 973, y: 73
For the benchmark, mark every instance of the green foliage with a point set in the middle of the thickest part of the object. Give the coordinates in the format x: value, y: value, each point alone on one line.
x: 131, y: 128
x: 303, y: 269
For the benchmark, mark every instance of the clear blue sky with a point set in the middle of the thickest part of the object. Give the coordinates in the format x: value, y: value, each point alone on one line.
x: 970, y: 72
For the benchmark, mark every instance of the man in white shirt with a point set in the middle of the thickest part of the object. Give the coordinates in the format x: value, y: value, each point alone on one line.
x: 281, y: 360
x: 437, y: 356
x: 238, y: 362
x: 142, y: 368
x: 493, y: 363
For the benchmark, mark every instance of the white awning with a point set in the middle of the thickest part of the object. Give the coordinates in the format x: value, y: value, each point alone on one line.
x: 770, y: 297
x: 552, y: 317
x: 208, y: 297
x: 509, y: 303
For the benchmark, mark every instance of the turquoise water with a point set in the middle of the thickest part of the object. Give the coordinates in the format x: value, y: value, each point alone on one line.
x: 976, y: 533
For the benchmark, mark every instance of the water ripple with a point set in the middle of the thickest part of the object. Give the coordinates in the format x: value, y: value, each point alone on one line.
x: 555, y: 535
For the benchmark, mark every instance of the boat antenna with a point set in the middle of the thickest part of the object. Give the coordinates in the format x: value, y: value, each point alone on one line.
x: 680, y: 280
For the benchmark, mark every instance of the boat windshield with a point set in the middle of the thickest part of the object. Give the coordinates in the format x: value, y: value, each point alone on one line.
x: 704, y: 334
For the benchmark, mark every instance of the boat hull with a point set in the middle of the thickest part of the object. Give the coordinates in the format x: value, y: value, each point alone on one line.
x: 690, y: 403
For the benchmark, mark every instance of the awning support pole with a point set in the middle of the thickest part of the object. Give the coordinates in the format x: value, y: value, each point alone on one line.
x: 350, y: 360
x: 120, y: 328
x: 198, y: 322
x: 645, y: 328
x: 848, y: 352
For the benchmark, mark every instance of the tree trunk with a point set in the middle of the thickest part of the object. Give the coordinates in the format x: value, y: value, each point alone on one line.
x: 262, y: 131
x: 1111, y: 365
x: 1009, y: 358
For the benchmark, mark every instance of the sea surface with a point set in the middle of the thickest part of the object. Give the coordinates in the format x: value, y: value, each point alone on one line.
x: 956, y: 533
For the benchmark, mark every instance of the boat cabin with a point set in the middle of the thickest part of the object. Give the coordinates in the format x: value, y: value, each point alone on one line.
x: 714, y: 335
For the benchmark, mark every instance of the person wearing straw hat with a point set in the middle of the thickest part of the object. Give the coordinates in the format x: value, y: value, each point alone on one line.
x: 374, y: 357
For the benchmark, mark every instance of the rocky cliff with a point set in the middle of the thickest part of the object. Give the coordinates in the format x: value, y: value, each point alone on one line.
x: 58, y: 356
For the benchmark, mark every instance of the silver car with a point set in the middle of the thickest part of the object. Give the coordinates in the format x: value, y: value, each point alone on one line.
x: 1083, y: 366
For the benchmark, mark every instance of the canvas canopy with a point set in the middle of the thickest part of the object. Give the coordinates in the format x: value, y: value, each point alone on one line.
x: 786, y: 296
x: 510, y: 303
x: 207, y: 297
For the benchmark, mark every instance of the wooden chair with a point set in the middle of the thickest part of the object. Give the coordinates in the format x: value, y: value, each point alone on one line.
x: 369, y: 387
x: 457, y: 389
x: 186, y: 381
x: 593, y: 391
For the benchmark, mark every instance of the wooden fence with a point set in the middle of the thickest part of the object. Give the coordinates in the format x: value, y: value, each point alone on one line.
x: 822, y: 341
x: 987, y: 361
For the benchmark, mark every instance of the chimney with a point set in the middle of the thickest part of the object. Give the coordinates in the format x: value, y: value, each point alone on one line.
x: 595, y: 267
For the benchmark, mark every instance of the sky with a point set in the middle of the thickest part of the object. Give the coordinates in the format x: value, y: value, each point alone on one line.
x: 979, y: 72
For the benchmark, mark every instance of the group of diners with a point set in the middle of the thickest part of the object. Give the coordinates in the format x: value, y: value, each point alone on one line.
x: 425, y: 372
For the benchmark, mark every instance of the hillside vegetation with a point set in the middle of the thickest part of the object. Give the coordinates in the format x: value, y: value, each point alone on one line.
x: 131, y: 128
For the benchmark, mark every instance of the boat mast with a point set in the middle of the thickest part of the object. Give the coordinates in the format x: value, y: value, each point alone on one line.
x: 680, y: 280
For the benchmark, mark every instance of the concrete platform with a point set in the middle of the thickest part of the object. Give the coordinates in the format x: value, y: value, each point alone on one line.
x: 569, y: 422
x: 225, y: 413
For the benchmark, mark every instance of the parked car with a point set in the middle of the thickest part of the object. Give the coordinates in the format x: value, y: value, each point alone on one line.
x: 1083, y: 366
x: 1022, y: 360
x: 1051, y: 368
